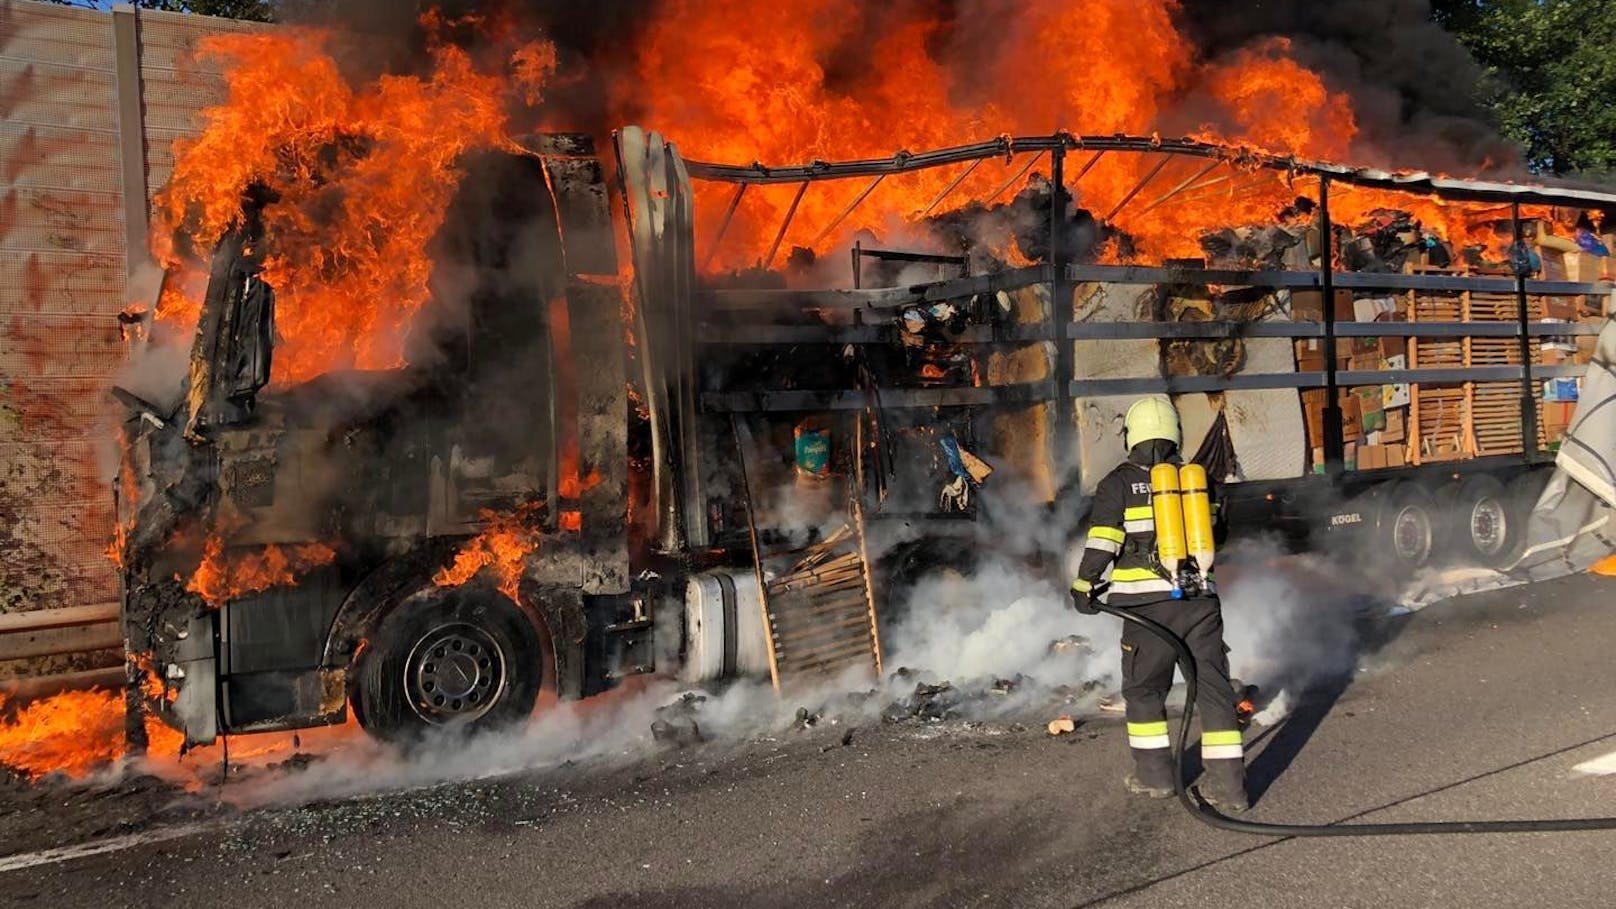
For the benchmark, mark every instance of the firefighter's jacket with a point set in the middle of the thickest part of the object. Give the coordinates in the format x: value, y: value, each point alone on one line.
x: 1122, y: 538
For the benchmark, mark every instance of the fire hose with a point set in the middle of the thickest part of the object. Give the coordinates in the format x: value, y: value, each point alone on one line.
x: 1207, y: 814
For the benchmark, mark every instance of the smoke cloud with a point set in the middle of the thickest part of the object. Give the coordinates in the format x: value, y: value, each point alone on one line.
x: 1411, y: 81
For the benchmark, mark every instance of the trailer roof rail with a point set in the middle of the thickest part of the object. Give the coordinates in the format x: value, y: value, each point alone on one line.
x: 1416, y: 182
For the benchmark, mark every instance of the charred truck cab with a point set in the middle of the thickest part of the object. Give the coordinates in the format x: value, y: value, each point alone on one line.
x: 591, y: 468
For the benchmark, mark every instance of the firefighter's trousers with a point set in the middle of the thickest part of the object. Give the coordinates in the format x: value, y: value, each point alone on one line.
x: 1148, y: 665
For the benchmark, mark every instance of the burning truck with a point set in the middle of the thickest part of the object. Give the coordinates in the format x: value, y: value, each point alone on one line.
x: 603, y: 459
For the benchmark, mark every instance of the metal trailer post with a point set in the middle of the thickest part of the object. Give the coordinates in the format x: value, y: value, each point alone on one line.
x: 137, y: 254
x: 1334, y: 441
x: 1060, y: 303
x: 1529, y: 449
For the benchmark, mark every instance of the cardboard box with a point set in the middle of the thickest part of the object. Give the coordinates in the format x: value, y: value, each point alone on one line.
x: 1310, y: 355
x: 1351, y: 417
x: 1561, y: 390
x: 1314, y: 418
x: 1583, y: 267
x: 1318, y: 459
x: 1351, y: 456
x: 1560, y: 309
x: 1394, y: 456
x: 1397, y: 394
x: 1372, y: 413
x: 1371, y: 457
x: 1373, y: 309
x: 1396, y: 426
x: 1308, y: 305
x: 1556, y: 418
x: 1393, y: 347
x: 1366, y: 362
x: 1370, y: 399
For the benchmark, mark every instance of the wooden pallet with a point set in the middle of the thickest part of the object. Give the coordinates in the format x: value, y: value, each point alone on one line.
x: 821, y: 614
x: 818, y: 602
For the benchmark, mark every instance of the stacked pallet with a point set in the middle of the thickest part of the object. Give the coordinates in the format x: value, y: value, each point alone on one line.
x: 1438, y: 414
x: 1496, y: 406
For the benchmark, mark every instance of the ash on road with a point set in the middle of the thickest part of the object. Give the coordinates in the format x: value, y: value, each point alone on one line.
x: 1478, y: 707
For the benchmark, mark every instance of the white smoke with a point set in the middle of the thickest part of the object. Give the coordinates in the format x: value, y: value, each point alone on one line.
x: 997, y: 622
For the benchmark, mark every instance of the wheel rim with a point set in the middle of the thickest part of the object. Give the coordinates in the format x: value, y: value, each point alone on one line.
x: 1489, y: 526
x: 1411, y: 534
x: 455, y: 673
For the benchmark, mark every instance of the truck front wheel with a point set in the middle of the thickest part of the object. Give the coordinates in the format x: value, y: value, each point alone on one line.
x: 455, y: 662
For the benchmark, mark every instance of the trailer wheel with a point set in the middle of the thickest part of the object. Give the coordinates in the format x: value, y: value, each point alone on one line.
x: 1408, y: 530
x: 453, y: 662
x: 1485, y: 524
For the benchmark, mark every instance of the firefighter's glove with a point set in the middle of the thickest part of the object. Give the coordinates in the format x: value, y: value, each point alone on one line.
x: 1085, y: 601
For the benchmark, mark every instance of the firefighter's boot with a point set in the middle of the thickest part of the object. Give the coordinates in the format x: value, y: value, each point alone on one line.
x: 1135, y: 786
x: 1224, y: 785
x: 1152, y: 773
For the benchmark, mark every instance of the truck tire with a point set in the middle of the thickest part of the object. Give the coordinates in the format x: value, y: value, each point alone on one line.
x: 451, y: 662
x: 1484, y: 524
x: 1407, y: 530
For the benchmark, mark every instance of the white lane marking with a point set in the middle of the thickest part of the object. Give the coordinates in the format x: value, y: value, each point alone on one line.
x: 23, y: 860
x: 1604, y: 765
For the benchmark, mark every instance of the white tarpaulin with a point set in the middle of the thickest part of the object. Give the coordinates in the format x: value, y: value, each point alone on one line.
x: 1571, y: 526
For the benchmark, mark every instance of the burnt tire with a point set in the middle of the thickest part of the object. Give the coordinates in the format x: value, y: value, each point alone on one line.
x: 448, y: 663
x: 1408, y: 532
x: 1485, y: 523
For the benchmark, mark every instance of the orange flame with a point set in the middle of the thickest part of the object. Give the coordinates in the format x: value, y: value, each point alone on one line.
x: 504, y: 547
x: 74, y: 733
x: 361, y: 178
x: 219, y: 579
x: 1097, y: 67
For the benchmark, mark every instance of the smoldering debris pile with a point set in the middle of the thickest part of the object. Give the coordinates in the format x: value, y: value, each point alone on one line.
x: 905, y: 696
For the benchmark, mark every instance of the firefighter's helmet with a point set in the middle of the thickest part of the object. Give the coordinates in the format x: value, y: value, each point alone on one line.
x: 1151, y: 418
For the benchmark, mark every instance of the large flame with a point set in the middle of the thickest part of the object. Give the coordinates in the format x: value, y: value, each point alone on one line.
x: 74, y: 733
x: 360, y: 177
x: 751, y: 80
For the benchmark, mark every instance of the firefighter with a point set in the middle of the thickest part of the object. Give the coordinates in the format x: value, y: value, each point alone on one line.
x: 1122, y: 538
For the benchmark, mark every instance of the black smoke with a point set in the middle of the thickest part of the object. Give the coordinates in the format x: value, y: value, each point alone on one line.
x: 595, y: 43
x: 1412, y: 83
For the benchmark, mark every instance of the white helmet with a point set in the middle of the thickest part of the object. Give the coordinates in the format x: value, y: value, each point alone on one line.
x: 1151, y: 418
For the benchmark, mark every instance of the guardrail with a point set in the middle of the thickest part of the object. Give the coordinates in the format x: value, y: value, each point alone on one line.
x: 56, y: 632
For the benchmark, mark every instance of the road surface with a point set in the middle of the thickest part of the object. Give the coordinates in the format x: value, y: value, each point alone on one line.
x: 1477, y: 708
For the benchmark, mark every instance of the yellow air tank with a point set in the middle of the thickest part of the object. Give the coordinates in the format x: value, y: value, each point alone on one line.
x: 1169, y: 512
x: 1197, y: 515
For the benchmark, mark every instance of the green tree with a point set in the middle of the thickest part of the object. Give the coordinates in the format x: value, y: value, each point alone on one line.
x: 256, y: 10
x: 1551, y: 75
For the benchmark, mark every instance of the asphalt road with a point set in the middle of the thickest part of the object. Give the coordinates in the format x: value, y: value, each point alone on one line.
x: 1478, y: 708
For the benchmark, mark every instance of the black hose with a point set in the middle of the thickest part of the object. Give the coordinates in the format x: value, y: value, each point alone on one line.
x: 1204, y: 812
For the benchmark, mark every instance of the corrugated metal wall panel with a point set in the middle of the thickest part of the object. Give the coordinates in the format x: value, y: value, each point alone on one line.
x: 57, y: 95
x: 61, y: 285
x: 46, y: 33
x: 58, y: 281
x: 62, y: 267
x: 57, y: 156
